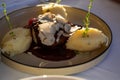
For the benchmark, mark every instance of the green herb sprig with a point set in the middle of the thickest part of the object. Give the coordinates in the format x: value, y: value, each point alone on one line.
x: 87, y: 19
x: 7, y: 19
x: 6, y: 16
x: 58, y: 1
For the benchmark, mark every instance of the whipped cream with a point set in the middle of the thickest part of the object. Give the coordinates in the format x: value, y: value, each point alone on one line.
x: 48, y: 30
x: 52, y: 28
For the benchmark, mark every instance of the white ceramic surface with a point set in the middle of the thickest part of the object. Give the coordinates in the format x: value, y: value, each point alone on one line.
x: 34, y: 65
x: 52, y: 77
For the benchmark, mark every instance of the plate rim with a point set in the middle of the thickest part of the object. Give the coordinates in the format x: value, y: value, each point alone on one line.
x: 49, y: 76
x: 68, y: 65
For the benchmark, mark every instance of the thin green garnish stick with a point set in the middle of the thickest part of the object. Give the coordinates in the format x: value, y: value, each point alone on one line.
x: 87, y: 17
x: 7, y: 19
x: 58, y: 1
x: 6, y: 16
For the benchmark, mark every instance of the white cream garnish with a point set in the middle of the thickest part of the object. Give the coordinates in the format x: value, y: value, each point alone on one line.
x: 53, y: 7
x: 48, y: 30
x: 46, y: 33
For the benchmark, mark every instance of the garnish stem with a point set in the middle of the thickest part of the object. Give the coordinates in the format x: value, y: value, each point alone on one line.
x: 87, y: 17
x: 6, y: 16
x: 7, y: 19
x: 58, y: 1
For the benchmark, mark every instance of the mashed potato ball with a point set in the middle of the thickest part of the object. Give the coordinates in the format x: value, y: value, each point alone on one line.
x: 94, y: 40
x: 18, y: 43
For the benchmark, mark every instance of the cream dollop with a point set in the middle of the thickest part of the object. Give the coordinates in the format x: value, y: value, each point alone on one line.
x: 52, y: 25
x: 48, y: 30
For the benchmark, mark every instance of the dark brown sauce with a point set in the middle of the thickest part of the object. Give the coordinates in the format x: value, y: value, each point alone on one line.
x: 53, y: 54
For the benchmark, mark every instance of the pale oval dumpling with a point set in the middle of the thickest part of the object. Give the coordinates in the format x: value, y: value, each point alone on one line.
x: 55, y: 8
x: 93, y: 41
x: 18, y: 43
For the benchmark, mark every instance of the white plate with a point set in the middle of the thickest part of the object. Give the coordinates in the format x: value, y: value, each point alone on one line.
x: 53, y: 77
x: 32, y: 64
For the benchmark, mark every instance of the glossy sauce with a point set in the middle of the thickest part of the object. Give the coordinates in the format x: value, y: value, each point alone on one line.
x: 56, y: 52
x: 53, y: 54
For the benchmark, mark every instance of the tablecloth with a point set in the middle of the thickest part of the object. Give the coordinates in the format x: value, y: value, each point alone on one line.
x: 109, y: 11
